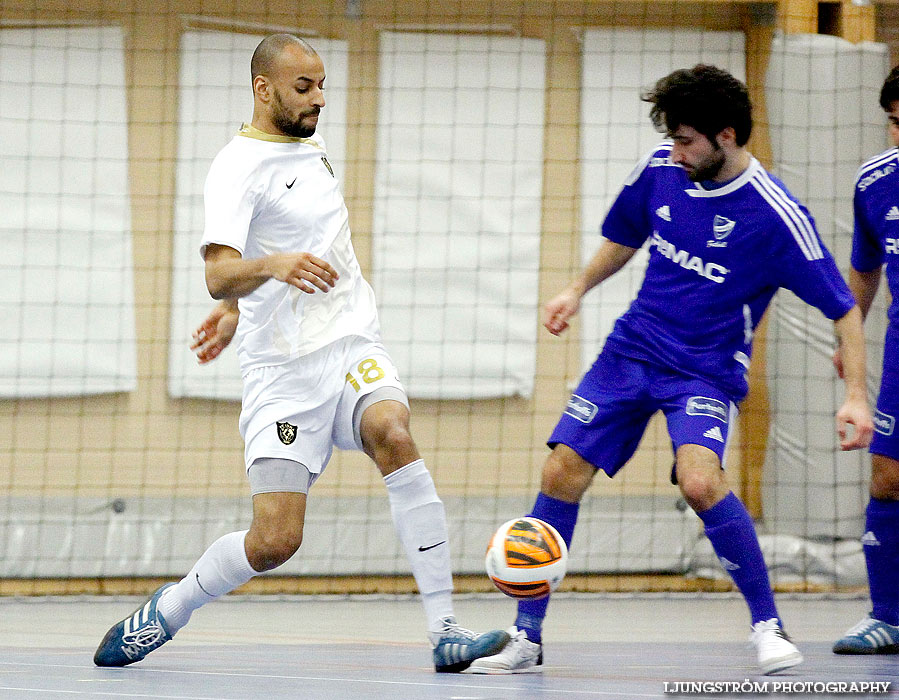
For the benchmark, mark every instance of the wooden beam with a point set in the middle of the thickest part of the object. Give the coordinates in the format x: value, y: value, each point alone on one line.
x: 755, y: 412
x: 798, y: 16
x: 857, y: 23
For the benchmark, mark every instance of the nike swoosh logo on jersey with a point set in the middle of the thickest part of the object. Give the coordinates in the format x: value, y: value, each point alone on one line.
x: 290, y: 184
x: 425, y: 549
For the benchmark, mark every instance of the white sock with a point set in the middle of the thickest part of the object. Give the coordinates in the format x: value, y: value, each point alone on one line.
x: 420, y: 521
x: 222, y: 568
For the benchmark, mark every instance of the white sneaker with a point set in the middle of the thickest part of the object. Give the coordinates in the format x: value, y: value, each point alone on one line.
x: 775, y: 650
x: 520, y: 655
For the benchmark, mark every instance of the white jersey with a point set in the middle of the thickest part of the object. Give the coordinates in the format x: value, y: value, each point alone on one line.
x: 276, y: 194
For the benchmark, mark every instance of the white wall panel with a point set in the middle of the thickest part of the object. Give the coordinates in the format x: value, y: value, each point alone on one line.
x: 66, y: 282
x: 457, y: 211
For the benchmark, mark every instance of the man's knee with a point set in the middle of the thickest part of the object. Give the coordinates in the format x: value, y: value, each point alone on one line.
x: 277, y: 529
x: 269, y: 548
x: 884, y: 478
x: 699, y: 489
x: 390, y: 433
x: 386, y: 436
x: 566, y: 475
x: 700, y: 477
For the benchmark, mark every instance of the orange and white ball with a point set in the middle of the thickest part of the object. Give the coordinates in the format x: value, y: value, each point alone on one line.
x: 526, y: 558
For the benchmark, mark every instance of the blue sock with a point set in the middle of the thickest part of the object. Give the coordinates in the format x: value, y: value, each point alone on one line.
x: 882, y: 525
x: 732, y: 534
x: 562, y: 516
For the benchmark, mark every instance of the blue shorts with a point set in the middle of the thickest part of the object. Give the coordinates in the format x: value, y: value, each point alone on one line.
x: 607, y: 414
x: 886, y: 437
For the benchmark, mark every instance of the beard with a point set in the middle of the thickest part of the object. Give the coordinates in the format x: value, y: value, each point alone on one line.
x: 292, y: 126
x: 708, y: 168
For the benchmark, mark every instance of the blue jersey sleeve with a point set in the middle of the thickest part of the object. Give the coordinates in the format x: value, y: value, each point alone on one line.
x: 808, y: 269
x: 867, y: 252
x: 627, y: 222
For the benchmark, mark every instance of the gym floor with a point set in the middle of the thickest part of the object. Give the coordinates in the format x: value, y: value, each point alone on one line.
x: 374, y: 647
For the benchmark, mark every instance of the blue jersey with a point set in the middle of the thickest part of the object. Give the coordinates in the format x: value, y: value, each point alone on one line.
x: 716, y: 258
x: 876, y: 238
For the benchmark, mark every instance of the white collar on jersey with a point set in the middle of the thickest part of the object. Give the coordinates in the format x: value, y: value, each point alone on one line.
x: 251, y: 132
x: 735, y: 184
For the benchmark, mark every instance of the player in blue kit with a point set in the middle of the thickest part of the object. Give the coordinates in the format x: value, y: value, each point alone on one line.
x: 723, y: 237
x: 875, y: 244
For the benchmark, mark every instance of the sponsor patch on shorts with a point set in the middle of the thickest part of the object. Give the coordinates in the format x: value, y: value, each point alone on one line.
x: 580, y: 409
x: 884, y: 423
x: 704, y: 406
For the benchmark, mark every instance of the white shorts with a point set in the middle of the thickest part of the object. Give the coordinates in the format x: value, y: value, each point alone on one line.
x: 302, y: 409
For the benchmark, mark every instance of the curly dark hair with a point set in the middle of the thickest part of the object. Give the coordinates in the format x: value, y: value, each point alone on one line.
x: 889, y: 93
x: 705, y: 98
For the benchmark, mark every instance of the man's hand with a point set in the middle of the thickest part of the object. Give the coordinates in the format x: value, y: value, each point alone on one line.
x: 216, y: 332
x: 302, y: 270
x: 855, y: 412
x: 560, y: 309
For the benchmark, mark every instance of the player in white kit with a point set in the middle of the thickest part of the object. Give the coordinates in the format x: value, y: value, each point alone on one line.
x: 278, y: 254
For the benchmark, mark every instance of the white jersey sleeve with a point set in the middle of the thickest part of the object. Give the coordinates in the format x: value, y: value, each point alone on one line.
x: 230, y: 196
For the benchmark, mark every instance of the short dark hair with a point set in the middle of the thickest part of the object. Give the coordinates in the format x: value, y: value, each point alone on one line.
x: 270, y: 48
x: 889, y: 93
x: 705, y: 98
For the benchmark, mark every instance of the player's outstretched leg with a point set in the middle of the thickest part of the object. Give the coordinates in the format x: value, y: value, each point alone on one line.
x: 456, y: 647
x: 136, y: 636
x: 222, y: 568
x: 732, y: 535
x: 420, y: 520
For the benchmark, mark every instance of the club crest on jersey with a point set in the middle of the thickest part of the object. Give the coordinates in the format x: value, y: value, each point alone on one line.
x: 704, y: 406
x: 884, y: 423
x: 580, y: 409
x: 287, y: 433
x: 721, y: 228
x: 328, y: 166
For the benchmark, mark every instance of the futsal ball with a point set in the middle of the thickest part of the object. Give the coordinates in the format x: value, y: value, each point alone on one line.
x: 526, y: 558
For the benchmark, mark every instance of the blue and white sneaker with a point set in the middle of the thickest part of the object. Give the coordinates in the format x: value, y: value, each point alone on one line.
x: 870, y: 636
x: 456, y: 647
x: 136, y: 636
